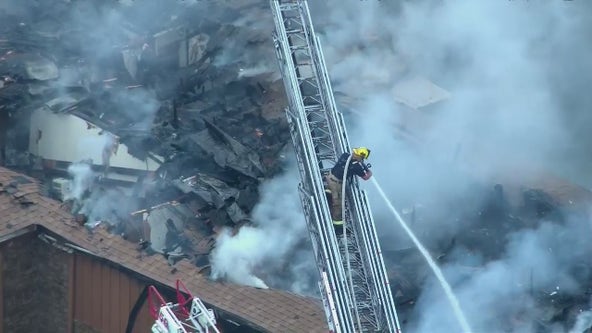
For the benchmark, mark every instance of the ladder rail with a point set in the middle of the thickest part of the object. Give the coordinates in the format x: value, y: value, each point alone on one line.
x: 337, y: 292
x: 317, y: 212
x: 311, y: 176
x: 326, y: 94
x: 319, y: 135
x: 339, y: 136
x: 367, y: 228
x: 314, y: 104
x: 202, y: 319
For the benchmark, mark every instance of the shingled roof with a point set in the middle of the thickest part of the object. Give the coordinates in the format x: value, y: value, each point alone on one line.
x: 23, y: 208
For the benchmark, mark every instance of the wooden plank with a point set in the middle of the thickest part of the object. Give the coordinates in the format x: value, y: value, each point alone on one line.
x: 76, y: 286
x: 95, y: 286
x: 106, y: 302
x: 145, y: 321
x: 134, y: 292
x: 71, y: 291
x: 83, y: 289
x: 115, y: 314
x: 124, y: 299
x: 2, y: 289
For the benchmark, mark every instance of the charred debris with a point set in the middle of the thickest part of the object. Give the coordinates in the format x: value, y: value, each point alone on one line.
x: 494, y: 223
x: 157, y: 121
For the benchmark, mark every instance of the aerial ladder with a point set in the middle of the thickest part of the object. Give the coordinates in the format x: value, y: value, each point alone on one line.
x: 187, y: 315
x: 353, y: 282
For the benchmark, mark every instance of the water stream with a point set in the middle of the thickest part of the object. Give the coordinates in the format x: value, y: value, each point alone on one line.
x: 460, y: 316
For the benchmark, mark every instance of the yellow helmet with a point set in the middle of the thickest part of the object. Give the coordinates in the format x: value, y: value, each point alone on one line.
x: 362, y: 152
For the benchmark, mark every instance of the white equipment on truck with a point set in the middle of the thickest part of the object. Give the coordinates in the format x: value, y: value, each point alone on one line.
x: 188, y: 315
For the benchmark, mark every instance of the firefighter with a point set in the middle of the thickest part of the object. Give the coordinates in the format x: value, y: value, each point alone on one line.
x: 335, y: 181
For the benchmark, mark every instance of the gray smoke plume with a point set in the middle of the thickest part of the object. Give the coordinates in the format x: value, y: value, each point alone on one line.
x: 515, y: 71
x: 583, y: 322
x: 111, y: 205
x: 82, y: 180
x: 259, y: 250
x: 87, y: 40
x: 501, y: 295
x: 97, y: 203
x: 235, y: 256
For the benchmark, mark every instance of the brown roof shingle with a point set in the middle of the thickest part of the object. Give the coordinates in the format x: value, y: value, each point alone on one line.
x: 22, y: 207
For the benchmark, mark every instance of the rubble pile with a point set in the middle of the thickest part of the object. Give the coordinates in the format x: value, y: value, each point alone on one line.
x: 160, y: 121
x: 181, y: 101
x: 494, y: 226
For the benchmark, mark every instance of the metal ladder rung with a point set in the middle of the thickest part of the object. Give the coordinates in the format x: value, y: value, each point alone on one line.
x: 294, y: 31
x: 288, y: 6
x: 314, y: 108
x: 301, y: 79
x: 311, y: 97
x: 298, y: 47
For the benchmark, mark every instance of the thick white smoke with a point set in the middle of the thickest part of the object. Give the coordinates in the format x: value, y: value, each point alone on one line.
x: 82, y: 179
x: 235, y: 256
x: 499, y: 296
x: 278, y: 227
x: 110, y: 205
x: 511, y: 104
x: 583, y: 322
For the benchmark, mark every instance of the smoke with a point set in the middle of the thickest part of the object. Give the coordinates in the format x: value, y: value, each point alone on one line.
x: 255, y: 71
x: 90, y: 198
x: 501, y: 295
x: 105, y: 205
x: 277, y: 234
x: 104, y: 143
x: 138, y: 106
x: 515, y: 73
x: 97, y: 203
x: 86, y: 39
x: 251, y: 49
x: 82, y: 179
x: 235, y: 256
x: 583, y: 322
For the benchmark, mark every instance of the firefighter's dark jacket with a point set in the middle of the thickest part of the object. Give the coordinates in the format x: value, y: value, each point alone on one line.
x: 357, y: 168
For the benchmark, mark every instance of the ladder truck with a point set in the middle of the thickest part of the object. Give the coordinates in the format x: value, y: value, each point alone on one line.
x: 187, y: 315
x: 353, y: 282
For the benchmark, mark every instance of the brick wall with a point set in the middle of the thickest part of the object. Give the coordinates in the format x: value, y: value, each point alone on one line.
x: 35, y: 286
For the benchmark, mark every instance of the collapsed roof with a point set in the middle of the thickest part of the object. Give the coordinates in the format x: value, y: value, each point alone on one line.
x: 25, y: 209
x: 197, y: 99
x: 156, y: 129
x: 150, y: 104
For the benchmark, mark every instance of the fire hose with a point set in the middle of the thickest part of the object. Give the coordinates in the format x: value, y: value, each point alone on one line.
x: 351, y: 283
